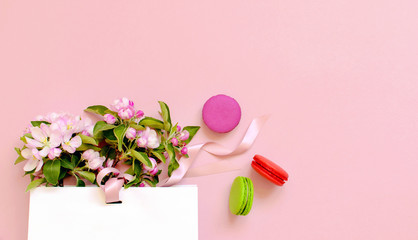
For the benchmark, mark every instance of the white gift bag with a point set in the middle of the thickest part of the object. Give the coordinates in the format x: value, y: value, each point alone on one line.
x: 79, y: 213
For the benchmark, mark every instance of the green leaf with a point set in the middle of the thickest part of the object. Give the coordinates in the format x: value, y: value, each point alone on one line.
x: 29, y: 172
x: 111, y: 154
x: 192, y: 131
x: 150, y: 182
x: 159, y: 155
x: 130, y: 171
x: 173, y: 129
x: 80, y: 183
x: 110, y: 135
x: 19, y: 158
x: 98, y: 109
x: 51, y: 171
x: 136, y: 126
x: 84, y: 147
x: 152, y: 123
x: 119, y: 132
x: 101, y: 126
x: 66, y: 163
x: 165, y: 113
x: 87, y: 175
x: 88, y: 140
x: 137, y: 168
x: 38, y: 123
x: 63, y: 173
x: 23, y: 138
x: 173, y: 161
x: 134, y: 181
x: 35, y: 183
x: 142, y: 157
x: 75, y: 160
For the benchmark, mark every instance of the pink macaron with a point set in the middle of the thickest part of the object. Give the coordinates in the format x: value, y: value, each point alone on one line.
x: 221, y: 113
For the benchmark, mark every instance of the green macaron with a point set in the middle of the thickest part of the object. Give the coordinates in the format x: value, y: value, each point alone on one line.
x: 241, y: 196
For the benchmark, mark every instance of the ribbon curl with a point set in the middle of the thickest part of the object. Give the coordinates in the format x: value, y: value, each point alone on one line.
x: 216, y: 150
x: 114, y: 185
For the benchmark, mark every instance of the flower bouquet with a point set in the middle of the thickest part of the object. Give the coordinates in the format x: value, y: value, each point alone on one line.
x: 61, y: 146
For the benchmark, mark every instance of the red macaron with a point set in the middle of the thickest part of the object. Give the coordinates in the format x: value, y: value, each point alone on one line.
x: 270, y: 170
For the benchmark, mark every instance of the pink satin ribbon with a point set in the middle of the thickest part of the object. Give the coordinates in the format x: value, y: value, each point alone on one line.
x: 217, y: 150
x: 114, y: 185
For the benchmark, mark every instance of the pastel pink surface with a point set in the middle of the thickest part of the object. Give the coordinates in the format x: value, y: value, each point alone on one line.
x: 221, y: 113
x: 338, y: 78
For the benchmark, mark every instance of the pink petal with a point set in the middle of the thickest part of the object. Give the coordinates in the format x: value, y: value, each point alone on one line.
x: 54, y: 152
x: 109, y: 162
x: 96, y: 163
x: 76, y: 141
x: 55, y: 140
x: 68, y: 148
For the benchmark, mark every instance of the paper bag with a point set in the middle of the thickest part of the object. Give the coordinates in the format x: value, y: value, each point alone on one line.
x: 79, y: 213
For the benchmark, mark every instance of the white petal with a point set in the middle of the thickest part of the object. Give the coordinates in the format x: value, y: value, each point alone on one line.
x: 46, y: 129
x: 39, y: 167
x: 33, y: 143
x: 30, y: 164
x: 44, y: 152
x: 55, y: 140
x: 38, y: 134
x: 26, y: 153
x: 67, y: 136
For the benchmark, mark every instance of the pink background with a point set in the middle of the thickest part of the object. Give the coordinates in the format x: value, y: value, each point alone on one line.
x: 339, y: 79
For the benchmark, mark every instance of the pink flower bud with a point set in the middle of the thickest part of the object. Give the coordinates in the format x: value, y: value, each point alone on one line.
x: 126, y: 113
x: 109, y: 118
x: 142, y: 142
x: 142, y: 185
x: 153, y: 163
x: 139, y: 114
x: 109, y: 162
x: 130, y: 133
x: 54, y: 152
x: 121, y: 103
x: 184, y: 150
x: 184, y: 135
x: 95, y: 163
x: 86, y: 133
x: 178, y: 128
x: 90, y: 154
x: 153, y: 169
x: 174, y: 141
